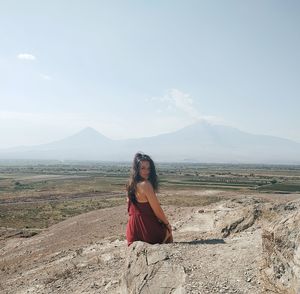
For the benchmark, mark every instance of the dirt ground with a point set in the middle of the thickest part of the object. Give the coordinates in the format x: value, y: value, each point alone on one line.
x: 86, y: 253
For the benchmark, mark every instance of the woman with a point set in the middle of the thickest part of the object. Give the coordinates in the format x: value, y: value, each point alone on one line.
x: 147, y: 221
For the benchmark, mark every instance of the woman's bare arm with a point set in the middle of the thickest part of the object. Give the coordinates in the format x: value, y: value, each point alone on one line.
x: 147, y: 189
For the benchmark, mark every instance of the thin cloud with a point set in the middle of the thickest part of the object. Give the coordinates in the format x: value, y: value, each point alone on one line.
x: 177, y: 100
x: 180, y: 102
x: 26, y: 56
x: 38, y: 117
x: 76, y: 121
x: 184, y: 102
x: 45, y: 77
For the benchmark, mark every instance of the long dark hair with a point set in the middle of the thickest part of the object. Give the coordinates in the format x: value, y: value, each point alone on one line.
x: 136, y: 178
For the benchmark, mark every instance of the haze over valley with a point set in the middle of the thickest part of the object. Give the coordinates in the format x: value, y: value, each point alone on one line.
x: 199, y: 142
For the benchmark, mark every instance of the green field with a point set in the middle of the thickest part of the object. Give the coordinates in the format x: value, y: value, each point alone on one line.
x: 35, y: 195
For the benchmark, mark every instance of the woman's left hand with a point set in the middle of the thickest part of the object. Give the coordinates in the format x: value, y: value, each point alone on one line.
x: 169, y: 228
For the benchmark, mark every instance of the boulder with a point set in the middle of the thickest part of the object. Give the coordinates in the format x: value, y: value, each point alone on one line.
x: 239, y: 220
x: 149, y: 269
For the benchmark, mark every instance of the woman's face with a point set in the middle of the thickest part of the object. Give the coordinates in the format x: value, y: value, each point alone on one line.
x: 145, y: 169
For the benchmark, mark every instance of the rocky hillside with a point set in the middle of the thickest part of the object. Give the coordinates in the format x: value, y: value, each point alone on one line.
x: 281, y: 248
x: 217, y: 249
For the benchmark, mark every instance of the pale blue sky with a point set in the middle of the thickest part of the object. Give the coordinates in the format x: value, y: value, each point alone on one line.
x: 140, y: 68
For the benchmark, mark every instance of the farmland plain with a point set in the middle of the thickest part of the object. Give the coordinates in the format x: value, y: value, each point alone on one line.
x: 36, y: 195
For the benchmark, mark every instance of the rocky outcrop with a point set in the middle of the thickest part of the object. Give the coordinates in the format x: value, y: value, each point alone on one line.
x: 235, y: 216
x: 240, y: 220
x: 281, y: 251
x: 149, y: 269
x: 88, y: 253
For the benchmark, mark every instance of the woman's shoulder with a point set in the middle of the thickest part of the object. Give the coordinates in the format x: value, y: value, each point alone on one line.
x: 144, y: 185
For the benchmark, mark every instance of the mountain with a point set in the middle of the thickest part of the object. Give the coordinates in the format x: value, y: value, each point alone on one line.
x: 200, y: 142
x: 86, y: 138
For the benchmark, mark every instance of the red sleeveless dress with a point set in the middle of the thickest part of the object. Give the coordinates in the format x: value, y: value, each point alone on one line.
x: 143, y: 224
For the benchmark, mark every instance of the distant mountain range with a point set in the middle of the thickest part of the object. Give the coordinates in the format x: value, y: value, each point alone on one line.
x: 200, y: 142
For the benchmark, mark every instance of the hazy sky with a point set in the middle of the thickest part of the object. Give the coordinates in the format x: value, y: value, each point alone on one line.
x: 140, y: 68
